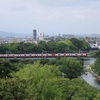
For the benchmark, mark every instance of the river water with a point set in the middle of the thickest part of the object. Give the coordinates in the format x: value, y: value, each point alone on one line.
x: 91, y: 80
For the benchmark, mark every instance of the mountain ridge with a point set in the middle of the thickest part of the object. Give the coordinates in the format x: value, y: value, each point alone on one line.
x: 5, y: 34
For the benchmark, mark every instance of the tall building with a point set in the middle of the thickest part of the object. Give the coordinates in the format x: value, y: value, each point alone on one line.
x: 34, y: 35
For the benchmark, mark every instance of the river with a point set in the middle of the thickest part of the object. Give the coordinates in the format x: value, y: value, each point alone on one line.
x: 88, y: 77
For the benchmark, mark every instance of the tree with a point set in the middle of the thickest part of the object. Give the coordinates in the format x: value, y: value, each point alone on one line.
x: 44, y: 61
x: 3, y: 48
x: 97, y: 97
x: 13, y: 89
x: 61, y: 47
x: 80, y: 44
x: 77, y: 89
x: 13, y: 48
x: 97, y: 54
x: 52, y: 47
x: 96, y: 66
x: 6, y: 68
x: 70, y: 67
x: 69, y: 46
x: 42, y: 81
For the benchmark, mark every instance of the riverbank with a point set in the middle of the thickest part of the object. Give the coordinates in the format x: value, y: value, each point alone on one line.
x: 89, y: 77
x: 94, y: 74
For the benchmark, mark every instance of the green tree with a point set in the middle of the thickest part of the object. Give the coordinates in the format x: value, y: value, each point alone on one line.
x: 61, y: 47
x: 70, y: 46
x: 3, y: 48
x: 52, y: 47
x: 44, y: 61
x: 80, y: 44
x: 13, y: 48
x: 13, y: 89
x: 70, y: 67
x: 97, y: 97
x: 6, y: 68
x: 97, y: 54
x: 42, y: 81
x: 96, y: 66
x: 77, y: 89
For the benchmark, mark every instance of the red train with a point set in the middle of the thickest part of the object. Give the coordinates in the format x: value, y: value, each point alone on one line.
x: 48, y: 55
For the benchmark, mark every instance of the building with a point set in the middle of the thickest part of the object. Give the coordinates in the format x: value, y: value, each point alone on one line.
x: 41, y: 37
x: 34, y: 35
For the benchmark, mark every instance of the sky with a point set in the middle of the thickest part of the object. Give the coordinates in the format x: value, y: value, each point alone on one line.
x: 50, y: 16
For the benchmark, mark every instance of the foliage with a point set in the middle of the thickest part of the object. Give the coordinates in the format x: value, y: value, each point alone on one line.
x: 97, y: 97
x: 77, y: 89
x: 80, y: 44
x: 13, y: 89
x: 96, y: 66
x: 44, y: 82
x: 97, y: 54
x: 3, y: 48
x: 26, y: 61
x: 69, y: 45
x: 6, y: 68
x: 22, y: 47
x: 44, y: 61
x: 41, y: 81
x: 70, y: 67
x: 92, y: 54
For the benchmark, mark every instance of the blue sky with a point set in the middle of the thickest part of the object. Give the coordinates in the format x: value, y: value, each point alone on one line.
x: 50, y: 16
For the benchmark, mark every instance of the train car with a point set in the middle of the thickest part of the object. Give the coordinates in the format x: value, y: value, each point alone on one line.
x: 43, y: 55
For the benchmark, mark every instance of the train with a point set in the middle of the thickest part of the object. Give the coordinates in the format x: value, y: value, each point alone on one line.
x: 47, y: 55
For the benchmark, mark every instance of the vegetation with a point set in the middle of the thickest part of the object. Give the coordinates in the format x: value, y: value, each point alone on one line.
x: 69, y: 45
x: 96, y: 66
x: 97, y: 54
x: 80, y: 44
x: 6, y: 68
x: 92, y: 53
x: 72, y: 68
x: 43, y: 80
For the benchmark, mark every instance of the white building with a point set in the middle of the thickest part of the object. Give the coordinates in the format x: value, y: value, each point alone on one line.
x: 41, y: 37
x: 94, y: 46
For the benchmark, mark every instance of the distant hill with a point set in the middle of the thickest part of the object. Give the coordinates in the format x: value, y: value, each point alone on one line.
x: 9, y: 34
